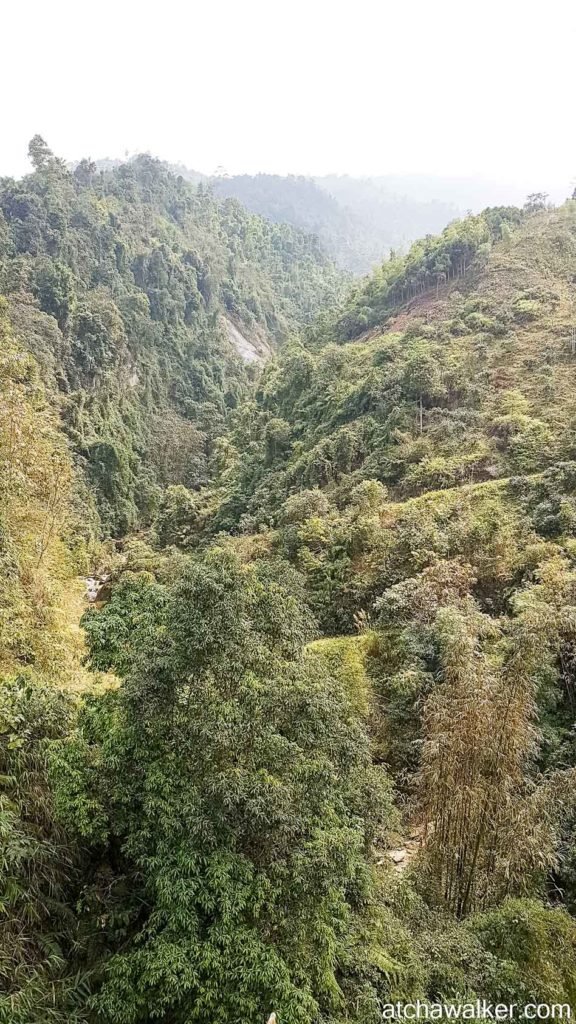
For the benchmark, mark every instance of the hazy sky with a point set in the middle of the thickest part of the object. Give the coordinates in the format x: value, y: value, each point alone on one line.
x: 307, y: 86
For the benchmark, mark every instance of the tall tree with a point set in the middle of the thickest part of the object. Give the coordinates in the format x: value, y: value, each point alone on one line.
x: 232, y: 778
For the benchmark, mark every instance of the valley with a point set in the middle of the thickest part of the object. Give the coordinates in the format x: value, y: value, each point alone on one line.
x: 306, y: 747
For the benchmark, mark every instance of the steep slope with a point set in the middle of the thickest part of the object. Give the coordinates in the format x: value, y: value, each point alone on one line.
x: 421, y: 475
x: 41, y: 540
x: 468, y: 385
x: 301, y: 202
x: 488, y: 336
x: 118, y: 283
x: 356, y: 221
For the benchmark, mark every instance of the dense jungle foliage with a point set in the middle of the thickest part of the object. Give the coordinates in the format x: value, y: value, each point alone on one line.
x: 312, y: 750
x: 118, y: 283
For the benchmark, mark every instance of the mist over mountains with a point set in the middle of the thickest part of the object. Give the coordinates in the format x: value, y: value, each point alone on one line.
x: 357, y: 220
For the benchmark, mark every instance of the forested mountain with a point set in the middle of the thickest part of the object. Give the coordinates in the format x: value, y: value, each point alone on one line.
x: 126, y: 286
x: 312, y: 751
x: 356, y: 219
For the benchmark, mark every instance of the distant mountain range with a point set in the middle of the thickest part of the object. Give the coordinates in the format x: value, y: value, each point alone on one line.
x: 358, y: 220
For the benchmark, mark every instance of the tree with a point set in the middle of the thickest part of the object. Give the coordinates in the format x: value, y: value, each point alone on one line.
x: 178, y: 518
x: 84, y: 172
x: 535, y: 201
x: 36, y: 481
x: 234, y: 781
x: 492, y: 832
x: 39, y: 867
x: 39, y: 153
x: 54, y: 287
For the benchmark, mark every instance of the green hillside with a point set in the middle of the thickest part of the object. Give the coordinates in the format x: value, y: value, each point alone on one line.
x: 117, y: 283
x: 468, y: 379
x: 312, y: 751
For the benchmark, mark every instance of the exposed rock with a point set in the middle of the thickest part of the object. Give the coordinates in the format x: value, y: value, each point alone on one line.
x: 97, y: 588
x: 402, y: 856
x: 397, y: 856
x: 254, y: 350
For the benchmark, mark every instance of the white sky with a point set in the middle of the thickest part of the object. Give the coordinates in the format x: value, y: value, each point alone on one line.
x: 447, y: 87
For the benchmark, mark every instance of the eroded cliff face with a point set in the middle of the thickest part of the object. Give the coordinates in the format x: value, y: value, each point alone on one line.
x: 251, y: 350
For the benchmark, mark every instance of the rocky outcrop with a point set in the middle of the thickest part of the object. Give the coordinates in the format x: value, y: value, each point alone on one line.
x: 97, y: 588
x: 251, y: 350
